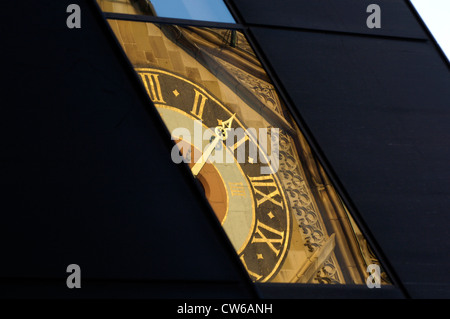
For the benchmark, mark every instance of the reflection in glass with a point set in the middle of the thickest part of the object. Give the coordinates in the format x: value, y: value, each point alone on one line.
x: 286, y: 226
x: 204, y: 10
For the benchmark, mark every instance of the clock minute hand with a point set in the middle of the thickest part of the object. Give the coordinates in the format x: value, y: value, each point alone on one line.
x: 199, y: 164
x: 221, y: 134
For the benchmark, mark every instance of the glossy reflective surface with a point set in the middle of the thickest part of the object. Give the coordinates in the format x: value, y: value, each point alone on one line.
x: 271, y: 195
x: 204, y: 10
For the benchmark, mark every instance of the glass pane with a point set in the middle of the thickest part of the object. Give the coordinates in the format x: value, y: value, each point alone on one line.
x: 204, y: 10
x: 124, y: 6
x: 271, y: 195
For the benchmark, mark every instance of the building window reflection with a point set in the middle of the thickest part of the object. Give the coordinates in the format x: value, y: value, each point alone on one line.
x: 287, y: 226
x: 202, y: 10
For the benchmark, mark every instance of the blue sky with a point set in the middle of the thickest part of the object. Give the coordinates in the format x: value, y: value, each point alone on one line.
x: 435, y: 13
x: 208, y: 10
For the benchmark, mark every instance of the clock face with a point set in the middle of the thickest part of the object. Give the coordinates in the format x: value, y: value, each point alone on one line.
x: 250, y: 205
x: 283, y: 217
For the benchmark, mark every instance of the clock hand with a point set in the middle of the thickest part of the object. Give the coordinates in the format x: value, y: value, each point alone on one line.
x: 201, y: 162
x: 221, y: 134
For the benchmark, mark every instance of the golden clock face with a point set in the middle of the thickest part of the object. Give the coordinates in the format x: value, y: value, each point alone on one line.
x: 286, y: 222
x: 250, y: 205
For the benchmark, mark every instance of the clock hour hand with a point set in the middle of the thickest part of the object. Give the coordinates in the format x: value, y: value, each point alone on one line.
x: 221, y: 134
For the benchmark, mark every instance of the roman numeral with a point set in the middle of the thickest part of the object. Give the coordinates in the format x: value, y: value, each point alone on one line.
x: 244, y: 139
x: 237, y: 189
x: 199, y: 104
x: 260, y: 183
x: 151, y: 83
x: 263, y: 238
x: 239, y: 149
